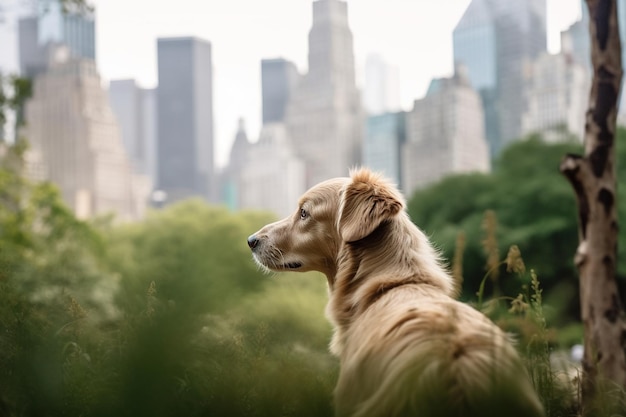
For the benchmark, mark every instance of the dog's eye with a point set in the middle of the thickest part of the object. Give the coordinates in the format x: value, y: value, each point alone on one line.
x: 303, y: 214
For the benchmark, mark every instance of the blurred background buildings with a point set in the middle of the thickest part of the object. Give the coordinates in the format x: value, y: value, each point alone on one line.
x: 123, y: 148
x: 185, y: 119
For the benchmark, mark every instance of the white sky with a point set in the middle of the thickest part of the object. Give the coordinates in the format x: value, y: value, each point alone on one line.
x: 413, y: 35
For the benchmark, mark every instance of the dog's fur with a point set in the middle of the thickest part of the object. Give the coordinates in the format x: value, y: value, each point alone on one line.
x: 406, y: 346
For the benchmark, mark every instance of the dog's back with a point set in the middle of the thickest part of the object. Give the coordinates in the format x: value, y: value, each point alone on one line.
x: 418, y: 353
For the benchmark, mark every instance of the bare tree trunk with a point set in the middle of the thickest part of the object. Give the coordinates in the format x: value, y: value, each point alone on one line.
x: 594, y: 181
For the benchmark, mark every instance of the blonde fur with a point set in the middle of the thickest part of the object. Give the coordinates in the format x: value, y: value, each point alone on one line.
x: 406, y: 346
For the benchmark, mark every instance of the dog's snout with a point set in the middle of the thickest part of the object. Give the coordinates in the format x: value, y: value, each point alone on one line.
x: 253, y: 241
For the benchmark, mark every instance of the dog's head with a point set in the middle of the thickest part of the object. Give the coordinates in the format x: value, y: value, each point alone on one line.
x: 329, y: 215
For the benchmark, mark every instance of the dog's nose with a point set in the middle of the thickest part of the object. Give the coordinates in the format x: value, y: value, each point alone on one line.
x: 253, y: 241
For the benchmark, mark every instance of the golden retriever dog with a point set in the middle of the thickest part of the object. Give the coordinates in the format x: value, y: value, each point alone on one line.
x: 406, y: 346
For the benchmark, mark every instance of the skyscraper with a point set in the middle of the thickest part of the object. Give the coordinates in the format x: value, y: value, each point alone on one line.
x: 558, y: 91
x: 76, y: 140
x: 382, y: 147
x: 576, y: 41
x: 497, y: 40
x: 279, y: 78
x: 135, y: 110
x: 381, y: 93
x: 51, y: 26
x: 273, y: 176
x: 231, y: 183
x: 72, y: 29
x: 32, y: 57
x: 185, y: 119
x: 444, y: 134
x: 41, y: 32
x: 325, y: 118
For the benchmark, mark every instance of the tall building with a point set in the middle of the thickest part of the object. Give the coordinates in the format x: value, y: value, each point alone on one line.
x: 70, y: 28
x: 382, y: 148
x: 279, y: 78
x: 32, y: 56
x: 272, y: 178
x: 50, y: 25
x: 231, y: 178
x: 497, y: 40
x: 444, y: 134
x: 324, y: 117
x: 185, y: 150
x: 557, y: 93
x: 381, y: 93
x: 576, y: 41
x: 47, y: 27
x: 76, y: 141
x: 135, y: 110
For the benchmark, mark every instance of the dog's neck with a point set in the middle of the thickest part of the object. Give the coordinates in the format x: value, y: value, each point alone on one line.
x: 397, y: 253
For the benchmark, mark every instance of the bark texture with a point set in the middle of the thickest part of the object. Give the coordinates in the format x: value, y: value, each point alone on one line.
x: 593, y: 179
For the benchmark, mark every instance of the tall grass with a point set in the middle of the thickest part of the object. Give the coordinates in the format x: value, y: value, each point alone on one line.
x: 554, y: 374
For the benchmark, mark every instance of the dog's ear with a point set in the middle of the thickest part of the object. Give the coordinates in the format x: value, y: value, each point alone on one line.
x: 367, y: 201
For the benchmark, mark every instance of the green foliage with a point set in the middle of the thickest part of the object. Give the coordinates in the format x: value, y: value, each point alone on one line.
x: 14, y: 91
x: 165, y: 317
x: 535, y: 209
x: 195, y: 254
x: 49, y: 269
x: 553, y: 374
x: 168, y: 361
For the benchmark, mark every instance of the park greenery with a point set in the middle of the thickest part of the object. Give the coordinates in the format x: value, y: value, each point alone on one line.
x: 165, y: 317
x: 170, y: 315
x: 526, y: 202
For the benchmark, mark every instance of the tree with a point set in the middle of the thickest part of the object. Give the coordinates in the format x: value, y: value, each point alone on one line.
x: 193, y: 254
x: 530, y: 214
x: 593, y: 179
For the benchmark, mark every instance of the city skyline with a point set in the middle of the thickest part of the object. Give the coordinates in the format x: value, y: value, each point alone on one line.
x: 244, y: 31
x: 126, y: 36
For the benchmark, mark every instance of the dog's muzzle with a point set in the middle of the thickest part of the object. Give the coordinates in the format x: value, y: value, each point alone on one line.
x: 253, y: 241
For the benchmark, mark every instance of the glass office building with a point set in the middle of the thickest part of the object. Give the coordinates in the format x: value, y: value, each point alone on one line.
x: 497, y: 40
x: 75, y: 30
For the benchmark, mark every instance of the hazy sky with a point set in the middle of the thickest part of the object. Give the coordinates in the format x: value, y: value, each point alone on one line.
x: 413, y: 35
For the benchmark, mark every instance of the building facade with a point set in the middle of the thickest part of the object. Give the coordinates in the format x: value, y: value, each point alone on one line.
x: 75, y: 30
x: 231, y: 183
x: 50, y: 25
x: 497, y: 40
x: 557, y: 94
x: 576, y: 41
x: 32, y: 56
x: 273, y: 176
x: 135, y: 110
x: 324, y: 118
x: 76, y: 142
x: 385, y: 135
x: 381, y: 93
x: 185, y: 150
x: 46, y: 28
x: 444, y: 134
x: 279, y: 78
